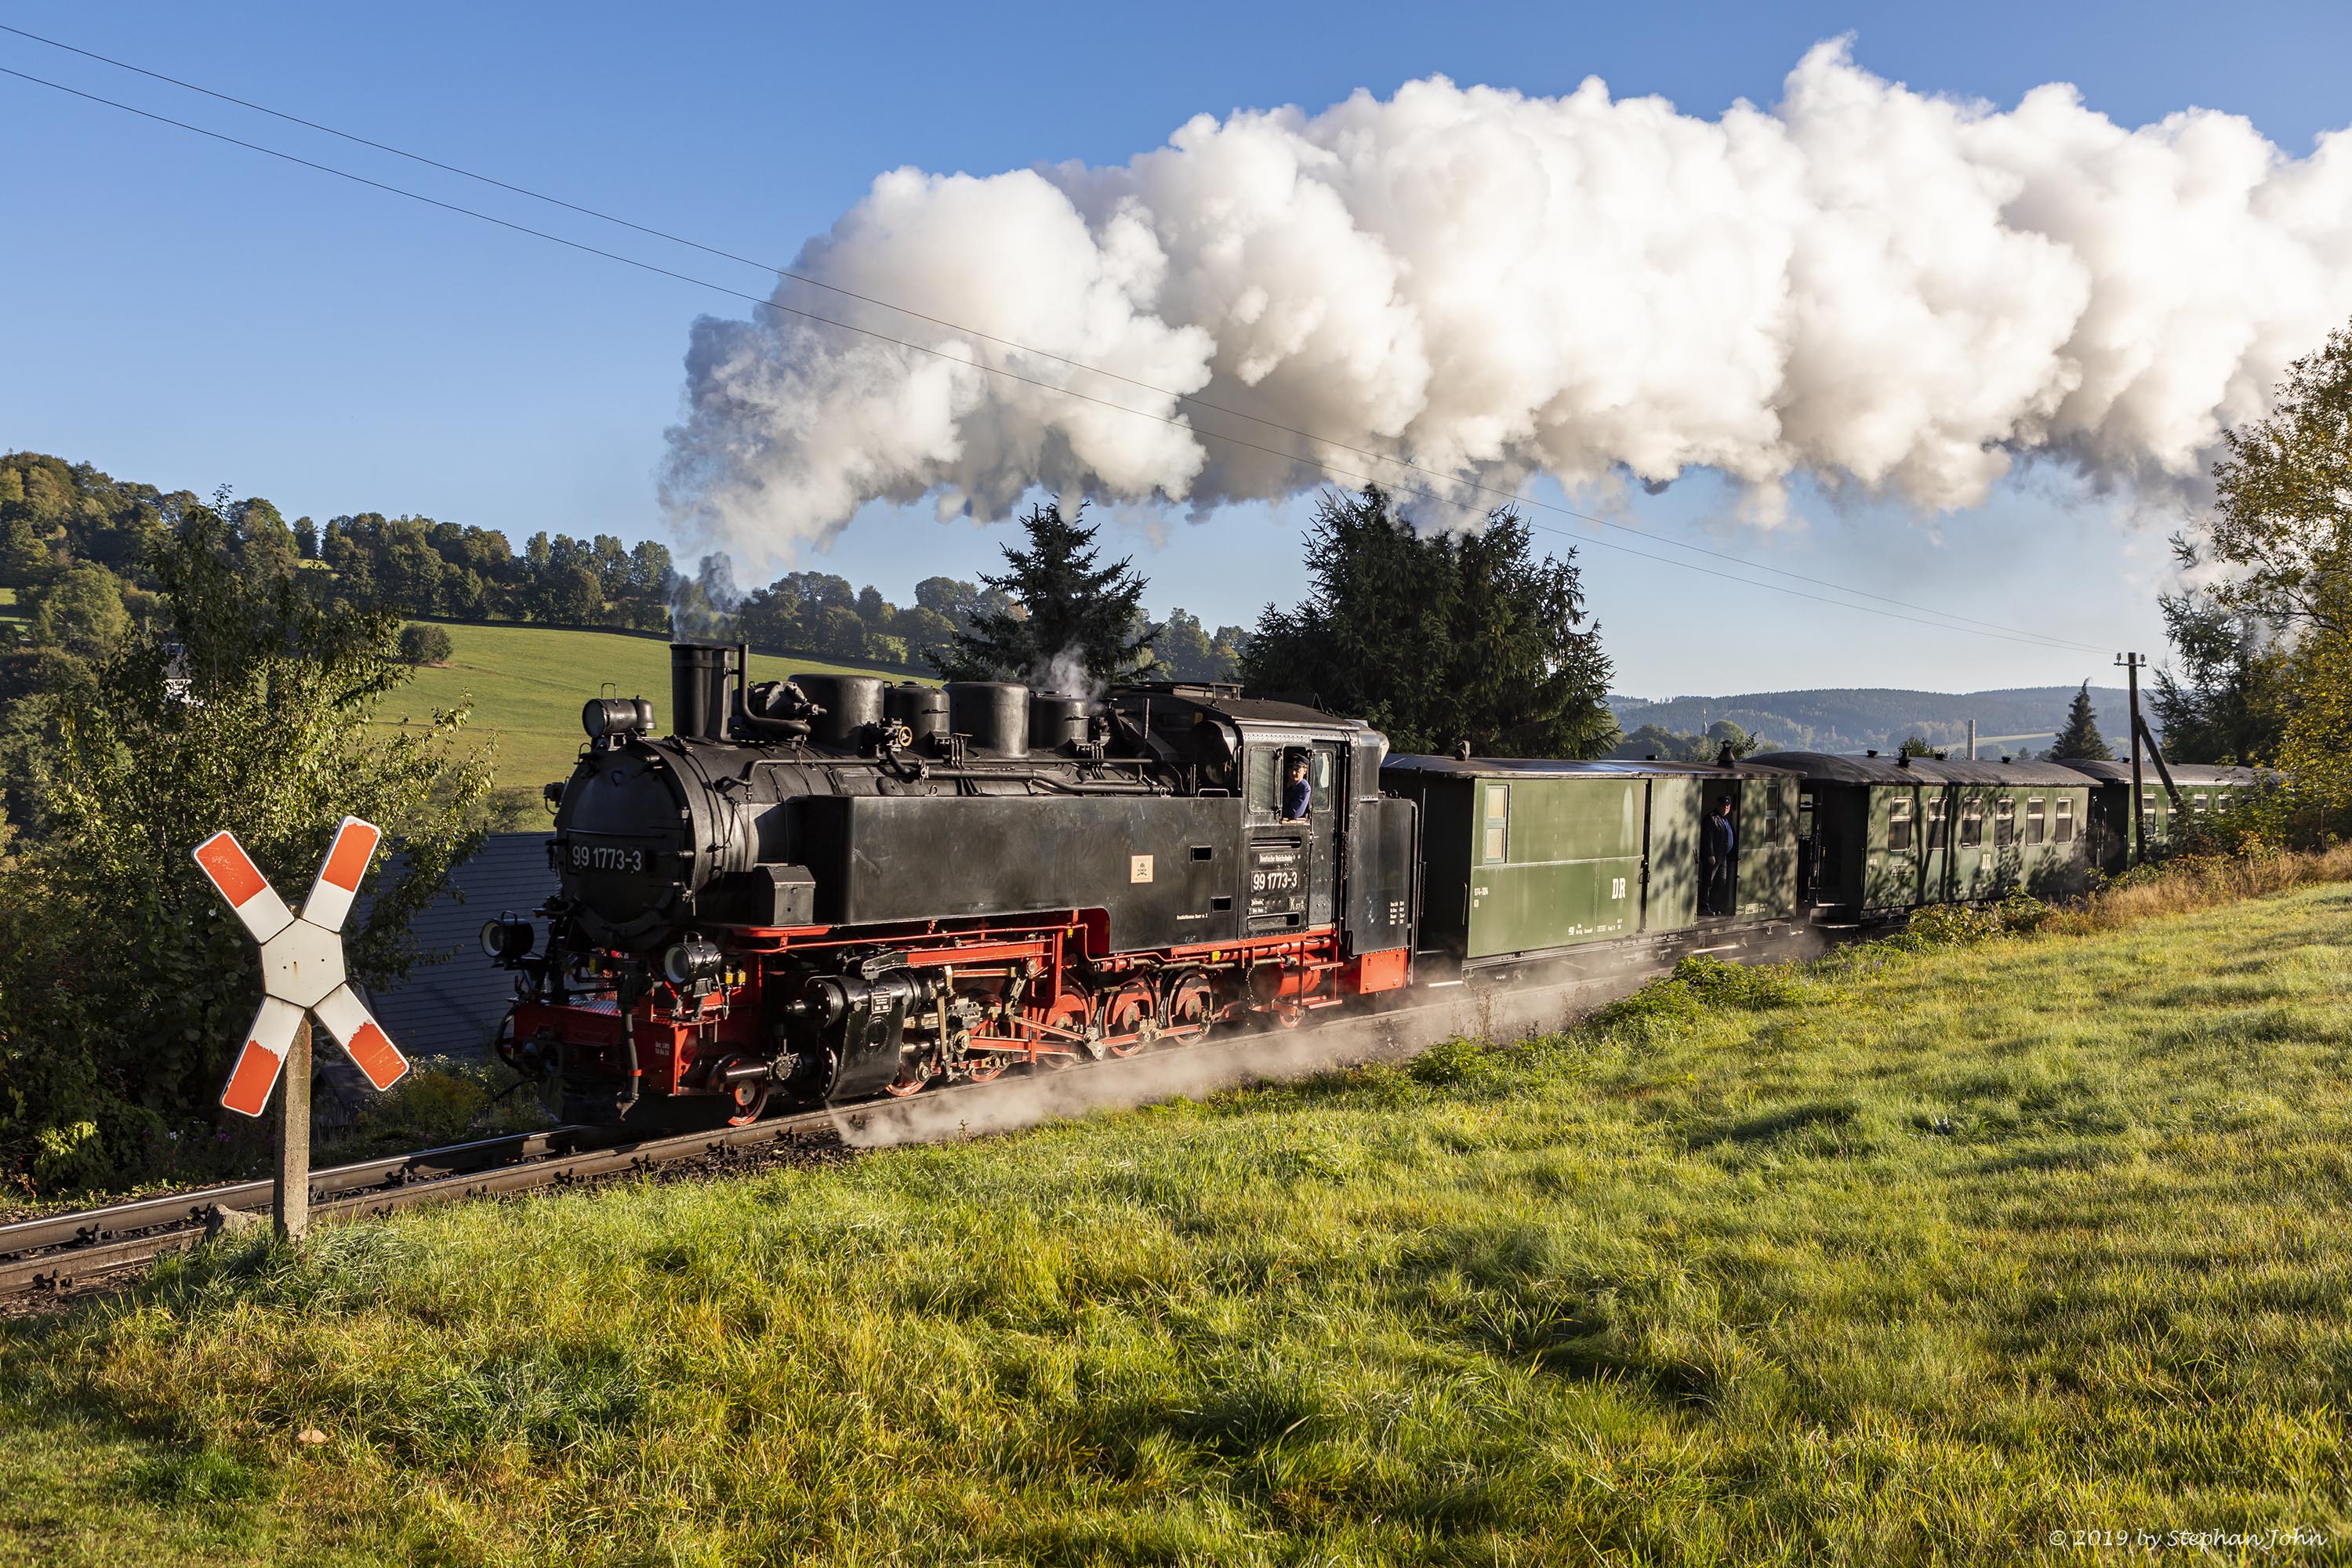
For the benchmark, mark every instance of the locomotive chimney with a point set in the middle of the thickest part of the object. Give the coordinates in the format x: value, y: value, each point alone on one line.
x: 700, y: 673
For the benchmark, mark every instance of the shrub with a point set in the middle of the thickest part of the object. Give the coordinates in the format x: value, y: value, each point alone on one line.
x: 1752, y: 988
x: 422, y: 644
x: 1957, y: 925
x: 1458, y: 1064
x: 444, y: 1100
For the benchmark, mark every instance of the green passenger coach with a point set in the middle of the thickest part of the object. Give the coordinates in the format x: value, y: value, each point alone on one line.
x: 1880, y: 835
x: 1530, y: 858
x: 2203, y: 789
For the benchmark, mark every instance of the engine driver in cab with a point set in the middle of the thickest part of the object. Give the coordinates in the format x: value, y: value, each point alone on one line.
x: 1297, y: 795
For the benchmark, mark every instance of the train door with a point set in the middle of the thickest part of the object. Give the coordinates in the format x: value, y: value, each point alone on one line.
x: 1292, y: 865
x: 1766, y: 856
x: 1935, y: 846
x: 1325, y: 802
x: 1807, y: 853
x: 1670, y: 878
x: 1718, y: 890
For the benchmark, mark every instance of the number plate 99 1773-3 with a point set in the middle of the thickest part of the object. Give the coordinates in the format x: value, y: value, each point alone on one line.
x: 607, y: 857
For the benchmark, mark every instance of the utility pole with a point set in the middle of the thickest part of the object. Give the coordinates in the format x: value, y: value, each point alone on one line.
x: 2131, y: 663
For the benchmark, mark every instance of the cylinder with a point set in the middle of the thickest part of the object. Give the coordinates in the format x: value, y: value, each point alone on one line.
x: 1054, y: 721
x: 923, y: 709
x: 850, y: 703
x: 993, y: 714
x: 698, y: 674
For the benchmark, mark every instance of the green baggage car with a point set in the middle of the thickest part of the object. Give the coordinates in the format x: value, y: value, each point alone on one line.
x: 1535, y: 860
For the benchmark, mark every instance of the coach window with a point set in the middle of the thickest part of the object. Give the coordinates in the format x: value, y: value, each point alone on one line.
x: 1935, y: 823
x: 1898, y: 827
x: 2197, y: 803
x: 1972, y: 824
x: 1495, y: 841
x: 2065, y: 820
x: 2004, y: 822
x: 2035, y: 810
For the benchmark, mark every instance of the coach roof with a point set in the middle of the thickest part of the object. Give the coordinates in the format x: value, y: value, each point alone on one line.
x: 1827, y: 767
x: 1546, y: 767
x: 2182, y: 773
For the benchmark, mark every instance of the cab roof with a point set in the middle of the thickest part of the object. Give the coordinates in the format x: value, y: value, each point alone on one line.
x: 1226, y: 703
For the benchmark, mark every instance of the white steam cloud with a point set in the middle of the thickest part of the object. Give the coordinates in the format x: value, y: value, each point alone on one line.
x: 1865, y: 285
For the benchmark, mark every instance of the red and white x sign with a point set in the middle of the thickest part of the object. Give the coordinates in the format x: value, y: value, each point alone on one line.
x: 301, y: 963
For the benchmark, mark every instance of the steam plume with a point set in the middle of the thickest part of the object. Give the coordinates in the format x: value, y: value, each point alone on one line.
x: 1864, y: 284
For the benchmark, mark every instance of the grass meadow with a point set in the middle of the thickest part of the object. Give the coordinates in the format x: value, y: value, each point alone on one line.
x: 526, y: 684
x: 1914, y: 1256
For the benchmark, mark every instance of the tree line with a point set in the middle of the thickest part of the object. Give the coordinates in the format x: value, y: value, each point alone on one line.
x: 75, y: 542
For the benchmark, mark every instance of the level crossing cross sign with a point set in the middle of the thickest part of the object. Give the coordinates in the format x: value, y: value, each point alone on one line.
x: 301, y: 964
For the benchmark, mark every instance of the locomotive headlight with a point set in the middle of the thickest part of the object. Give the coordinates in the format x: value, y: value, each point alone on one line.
x: 508, y: 937
x: 695, y: 957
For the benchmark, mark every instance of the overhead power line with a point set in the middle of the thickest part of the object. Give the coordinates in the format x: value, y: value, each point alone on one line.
x: 1947, y: 621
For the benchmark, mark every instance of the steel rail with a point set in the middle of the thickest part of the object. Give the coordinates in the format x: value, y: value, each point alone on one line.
x: 85, y: 1228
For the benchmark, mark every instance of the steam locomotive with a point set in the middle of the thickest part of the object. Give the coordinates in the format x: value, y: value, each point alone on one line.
x: 831, y: 888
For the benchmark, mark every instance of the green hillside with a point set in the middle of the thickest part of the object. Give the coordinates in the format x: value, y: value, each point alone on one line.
x: 1856, y: 719
x: 1917, y: 1256
x: 526, y: 684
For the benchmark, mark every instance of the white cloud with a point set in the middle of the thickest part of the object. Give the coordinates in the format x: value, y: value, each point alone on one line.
x: 1876, y: 287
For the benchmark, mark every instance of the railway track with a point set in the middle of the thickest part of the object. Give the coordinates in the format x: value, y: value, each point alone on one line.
x: 55, y: 1255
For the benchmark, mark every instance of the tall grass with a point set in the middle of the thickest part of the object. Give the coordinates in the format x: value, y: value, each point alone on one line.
x: 1914, y: 1257
x: 2190, y: 882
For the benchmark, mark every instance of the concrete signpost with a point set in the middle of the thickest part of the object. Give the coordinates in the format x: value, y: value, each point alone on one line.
x: 302, y: 978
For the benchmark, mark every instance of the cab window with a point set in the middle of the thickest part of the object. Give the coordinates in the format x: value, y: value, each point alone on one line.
x: 1264, y: 780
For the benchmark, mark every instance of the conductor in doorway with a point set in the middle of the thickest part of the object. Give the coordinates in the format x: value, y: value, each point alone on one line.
x: 1718, y: 839
x: 1296, y: 793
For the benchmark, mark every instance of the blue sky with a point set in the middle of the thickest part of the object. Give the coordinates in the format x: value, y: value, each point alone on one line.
x: 176, y: 311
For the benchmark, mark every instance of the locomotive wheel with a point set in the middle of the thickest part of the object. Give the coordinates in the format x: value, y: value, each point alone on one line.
x: 746, y: 1100
x: 1068, y: 1013
x: 1190, y: 1003
x: 1129, y: 1011
x: 913, y: 1078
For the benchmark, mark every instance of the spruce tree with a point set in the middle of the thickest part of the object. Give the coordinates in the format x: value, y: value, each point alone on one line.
x: 1069, y: 617
x: 2080, y: 741
x: 1440, y: 639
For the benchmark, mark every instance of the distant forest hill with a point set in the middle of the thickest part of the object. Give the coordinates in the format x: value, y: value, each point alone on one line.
x: 1861, y: 718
